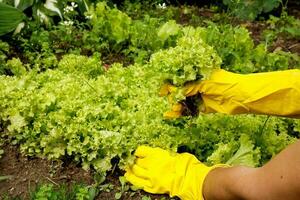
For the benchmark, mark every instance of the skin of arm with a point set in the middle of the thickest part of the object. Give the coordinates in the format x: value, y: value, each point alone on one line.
x: 278, y: 179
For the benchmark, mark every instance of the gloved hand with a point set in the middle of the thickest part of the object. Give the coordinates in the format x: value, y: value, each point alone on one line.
x: 159, y: 171
x: 167, y: 89
x: 273, y: 93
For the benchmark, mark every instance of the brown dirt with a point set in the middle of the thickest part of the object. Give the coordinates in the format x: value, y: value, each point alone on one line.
x: 293, y: 8
x: 186, y: 18
x: 282, y: 43
x: 128, y: 195
x: 256, y: 29
x: 28, y: 172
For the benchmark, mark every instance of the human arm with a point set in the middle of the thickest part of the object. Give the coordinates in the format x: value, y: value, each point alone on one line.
x: 278, y: 179
x: 161, y: 172
x: 272, y: 93
x: 276, y: 93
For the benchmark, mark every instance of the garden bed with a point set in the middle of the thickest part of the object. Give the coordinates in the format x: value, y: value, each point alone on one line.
x: 84, y: 93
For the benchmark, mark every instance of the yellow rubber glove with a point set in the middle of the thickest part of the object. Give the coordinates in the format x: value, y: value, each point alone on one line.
x: 272, y: 93
x: 159, y: 171
x: 177, y: 108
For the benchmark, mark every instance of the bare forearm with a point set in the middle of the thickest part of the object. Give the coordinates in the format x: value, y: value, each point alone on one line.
x: 227, y: 183
x: 278, y: 179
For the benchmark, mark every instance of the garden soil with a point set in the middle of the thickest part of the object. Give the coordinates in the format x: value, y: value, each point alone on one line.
x: 27, y: 173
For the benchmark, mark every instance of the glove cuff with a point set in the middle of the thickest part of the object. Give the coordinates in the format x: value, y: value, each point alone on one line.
x: 203, y: 176
x: 192, y: 185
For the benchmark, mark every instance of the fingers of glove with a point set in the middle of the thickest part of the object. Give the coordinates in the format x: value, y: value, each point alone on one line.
x: 175, y: 112
x: 170, y: 99
x: 143, y: 151
x: 140, y: 172
x: 188, y: 88
x: 154, y: 190
x: 177, y: 107
x: 172, y: 114
x: 137, y: 181
x: 166, y: 89
x: 191, y: 89
x: 211, y: 87
x: 143, y: 162
x: 194, y: 91
x: 187, y: 158
x: 143, y: 183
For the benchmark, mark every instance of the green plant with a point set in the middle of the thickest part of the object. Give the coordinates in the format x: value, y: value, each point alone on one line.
x: 4, y: 50
x: 284, y: 25
x: 112, y: 24
x: 62, y: 192
x: 124, y: 187
x: 192, y: 59
x: 116, y: 32
x: 2, y: 178
x: 265, y: 137
x: 232, y: 153
x: 70, y: 106
x: 97, y: 119
x: 238, y: 52
x: 76, y: 64
x: 15, y: 66
x: 246, y: 9
x: 156, y: 36
x: 8, y: 24
x: 105, y: 30
x: 41, y: 11
x: 35, y: 49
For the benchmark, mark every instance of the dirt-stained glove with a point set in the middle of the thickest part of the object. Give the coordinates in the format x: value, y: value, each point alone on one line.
x: 176, y: 110
x: 159, y: 171
x: 273, y: 93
